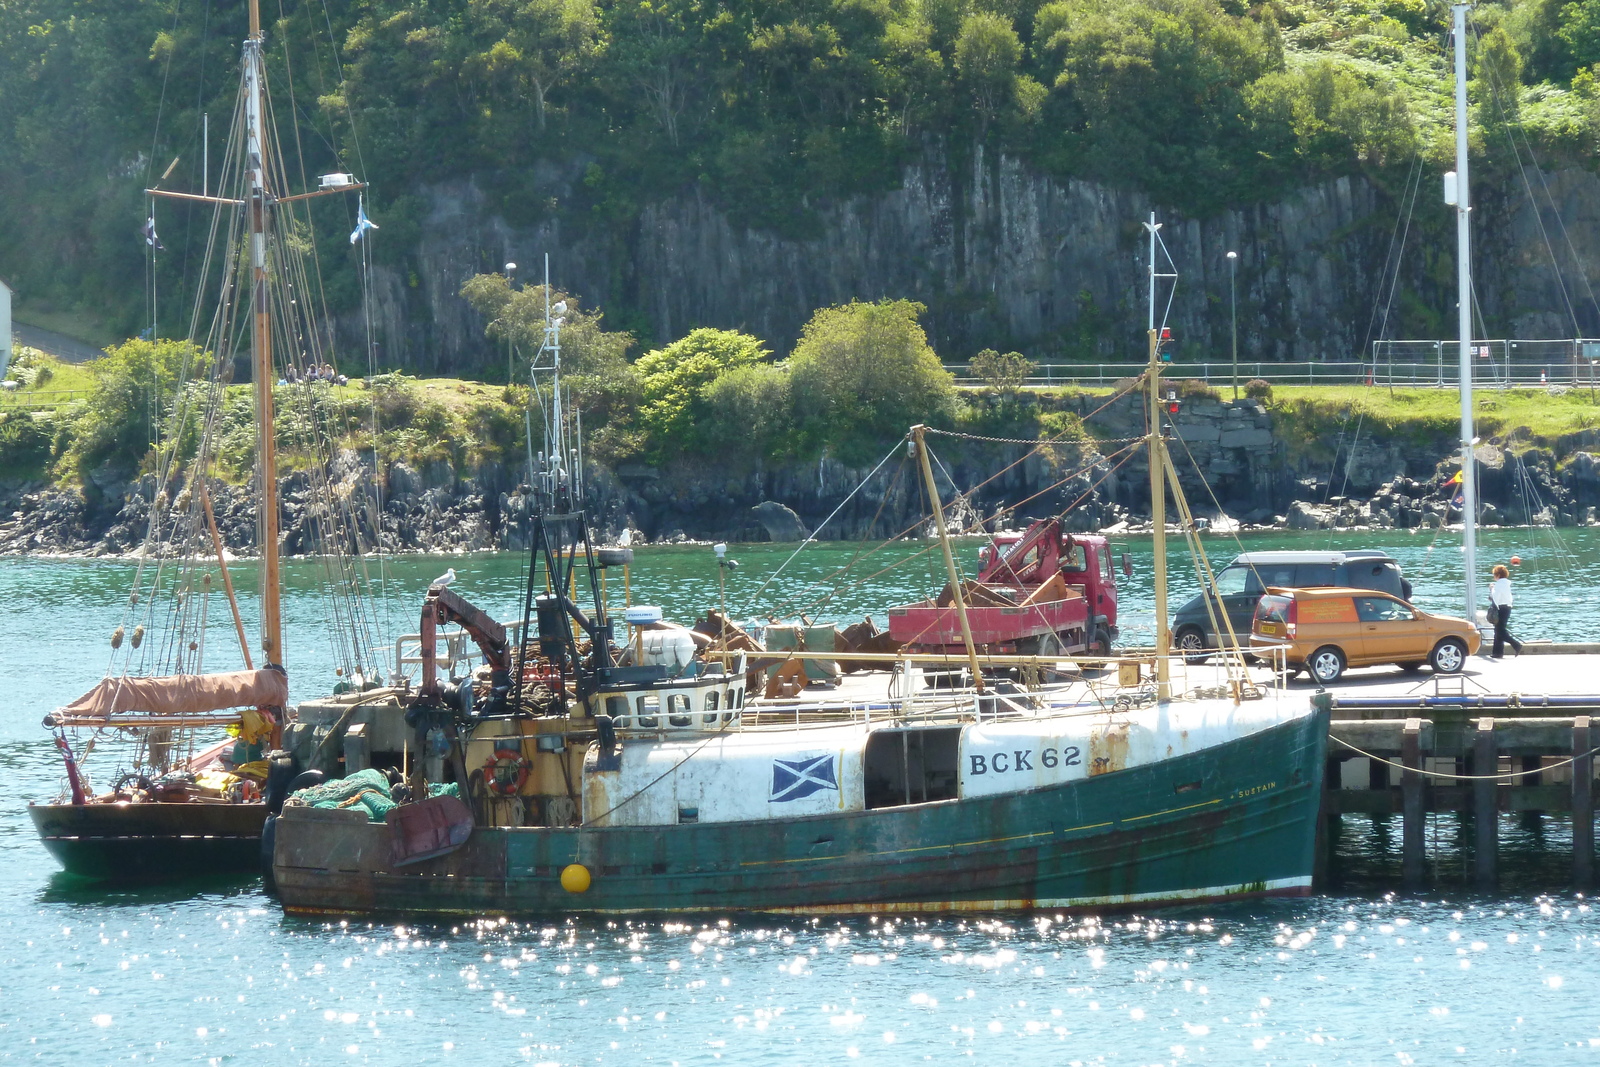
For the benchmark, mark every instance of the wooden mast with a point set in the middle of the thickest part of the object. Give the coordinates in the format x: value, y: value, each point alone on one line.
x: 261, y: 337
x: 949, y: 560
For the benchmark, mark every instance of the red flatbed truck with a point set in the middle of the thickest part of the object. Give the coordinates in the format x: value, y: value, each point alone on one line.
x: 1040, y: 592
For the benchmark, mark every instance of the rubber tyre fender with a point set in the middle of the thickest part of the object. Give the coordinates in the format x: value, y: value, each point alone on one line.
x: 1449, y: 656
x: 1326, y: 664
x: 305, y: 780
x: 269, y: 839
x: 280, y: 773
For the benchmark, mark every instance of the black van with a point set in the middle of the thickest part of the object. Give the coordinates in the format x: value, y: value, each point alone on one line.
x: 1241, y: 583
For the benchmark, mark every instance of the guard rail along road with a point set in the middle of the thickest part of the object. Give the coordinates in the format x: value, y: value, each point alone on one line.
x: 1504, y: 363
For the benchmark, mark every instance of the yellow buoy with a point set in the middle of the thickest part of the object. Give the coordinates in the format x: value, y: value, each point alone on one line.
x: 575, y: 878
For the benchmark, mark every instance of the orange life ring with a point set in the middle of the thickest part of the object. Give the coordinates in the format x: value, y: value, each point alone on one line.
x: 506, y: 772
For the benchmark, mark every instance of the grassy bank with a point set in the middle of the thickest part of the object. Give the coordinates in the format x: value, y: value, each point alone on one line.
x: 1308, y: 419
x: 65, y: 420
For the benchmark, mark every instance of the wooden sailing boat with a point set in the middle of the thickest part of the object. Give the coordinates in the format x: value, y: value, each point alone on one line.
x: 937, y: 800
x: 182, y: 810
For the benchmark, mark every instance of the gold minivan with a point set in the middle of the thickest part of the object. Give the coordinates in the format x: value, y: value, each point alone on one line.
x: 1326, y: 630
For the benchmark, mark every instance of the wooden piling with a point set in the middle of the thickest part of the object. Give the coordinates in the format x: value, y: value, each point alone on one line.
x: 1531, y: 767
x: 1582, y: 805
x: 1485, y: 805
x: 1377, y: 775
x: 1327, y: 817
x: 1413, y: 809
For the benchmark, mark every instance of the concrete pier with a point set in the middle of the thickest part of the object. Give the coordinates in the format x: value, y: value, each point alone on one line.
x: 1512, y: 735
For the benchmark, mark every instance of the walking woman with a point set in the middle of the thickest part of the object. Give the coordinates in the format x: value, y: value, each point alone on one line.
x: 1500, y: 607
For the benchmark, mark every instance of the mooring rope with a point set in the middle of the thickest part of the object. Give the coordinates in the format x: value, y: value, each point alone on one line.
x: 1509, y: 775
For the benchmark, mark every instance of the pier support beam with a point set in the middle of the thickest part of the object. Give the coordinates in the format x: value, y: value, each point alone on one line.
x: 1377, y: 775
x: 1582, y: 805
x: 1327, y: 822
x: 1531, y: 768
x: 1414, y: 815
x: 1485, y: 806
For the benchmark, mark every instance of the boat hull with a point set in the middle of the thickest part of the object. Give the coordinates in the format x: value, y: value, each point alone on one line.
x: 1237, y: 819
x: 151, y: 841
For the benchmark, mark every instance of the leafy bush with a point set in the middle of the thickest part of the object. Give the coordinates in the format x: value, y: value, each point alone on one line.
x: 1195, y: 389
x: 1258, y: 389
x: 24, y: 443
x: 750, y: 412
x: 674, y: 381
x: 136, y: 385
x: 863, y: 374
x: 1062, y: 436
x: 1003, y: 373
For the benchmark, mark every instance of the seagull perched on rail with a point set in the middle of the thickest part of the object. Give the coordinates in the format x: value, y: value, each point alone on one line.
x: 446, y: 578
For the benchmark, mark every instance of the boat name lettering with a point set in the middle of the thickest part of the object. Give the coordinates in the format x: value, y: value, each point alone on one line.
x: 1006, y: 762
x: 1238, y: 794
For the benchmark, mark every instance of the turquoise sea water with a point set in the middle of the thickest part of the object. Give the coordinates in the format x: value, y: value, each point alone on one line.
x: 212, y: 973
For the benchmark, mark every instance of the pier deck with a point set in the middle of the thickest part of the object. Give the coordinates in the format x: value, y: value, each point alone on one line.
x: 1503, y: 736
x: 1511, y: 735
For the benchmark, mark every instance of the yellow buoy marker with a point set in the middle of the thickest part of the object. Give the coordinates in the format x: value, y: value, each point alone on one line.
x: 575, y: 878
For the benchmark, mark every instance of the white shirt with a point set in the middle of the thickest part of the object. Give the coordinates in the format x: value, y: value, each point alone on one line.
x: 1500, y: 592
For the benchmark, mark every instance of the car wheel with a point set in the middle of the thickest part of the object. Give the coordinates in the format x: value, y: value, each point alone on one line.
x: 1410, y: 665
x: 1326, y: 664
x: 1449, y: 656
x: 1191, y: 644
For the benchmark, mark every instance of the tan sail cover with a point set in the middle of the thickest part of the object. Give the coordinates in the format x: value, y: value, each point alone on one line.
x: 184, y: 694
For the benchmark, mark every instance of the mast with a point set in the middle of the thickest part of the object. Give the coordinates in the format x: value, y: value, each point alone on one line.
x: 1158, y: 489
x: 949, y: 560
x: 261, y: 337
x: 1469, y: 482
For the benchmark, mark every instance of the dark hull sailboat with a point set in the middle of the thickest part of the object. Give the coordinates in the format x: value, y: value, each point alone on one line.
x: 171, y: 817
x: 151, y: 841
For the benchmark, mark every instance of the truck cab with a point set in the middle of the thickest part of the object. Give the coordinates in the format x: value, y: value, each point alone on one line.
x: 1039, y: 592
x: 1084, y: 561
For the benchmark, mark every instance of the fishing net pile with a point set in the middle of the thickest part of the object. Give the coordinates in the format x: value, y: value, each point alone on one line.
x: 368, y: 790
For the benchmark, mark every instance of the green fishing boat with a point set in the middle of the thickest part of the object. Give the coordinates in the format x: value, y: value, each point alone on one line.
x: 599, y: 773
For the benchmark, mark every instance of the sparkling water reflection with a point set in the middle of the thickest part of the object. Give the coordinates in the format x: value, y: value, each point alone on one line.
x: 210, y: 972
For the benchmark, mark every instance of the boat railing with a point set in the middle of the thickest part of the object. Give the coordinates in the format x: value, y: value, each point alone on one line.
x: 454, y: 647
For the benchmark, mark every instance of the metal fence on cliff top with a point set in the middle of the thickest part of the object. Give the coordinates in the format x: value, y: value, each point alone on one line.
x: 1423, y: 364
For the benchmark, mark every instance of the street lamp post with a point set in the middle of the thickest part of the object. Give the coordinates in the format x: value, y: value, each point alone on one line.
x: 511, y: 376
x: 1233, y: 304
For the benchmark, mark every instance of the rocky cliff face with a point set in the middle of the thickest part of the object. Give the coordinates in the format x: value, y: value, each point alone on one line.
x: 1005, y: 257
x: 1231, y: 458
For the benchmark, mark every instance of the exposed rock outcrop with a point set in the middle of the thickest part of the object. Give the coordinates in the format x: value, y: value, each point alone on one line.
x: 1002, y: 255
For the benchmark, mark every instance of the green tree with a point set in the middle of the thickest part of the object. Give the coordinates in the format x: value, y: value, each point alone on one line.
x: 137, y: 384
x: 863, y: 374
x: 1497, y: 68
x: 1003, y: 373
x: 536, y: 44
x: 751, y: 413
x: 674, y: 382
x: 1152, y: 92
x: 987, y: 55
x: 594, y: 360
x: 1579, y: 30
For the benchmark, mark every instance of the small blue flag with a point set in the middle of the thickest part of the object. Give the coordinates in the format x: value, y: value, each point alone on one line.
x: 793, y: 779
x: 363, y: 224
